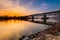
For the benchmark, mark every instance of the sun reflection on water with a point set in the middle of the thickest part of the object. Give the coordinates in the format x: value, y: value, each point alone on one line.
x: 13, y: 29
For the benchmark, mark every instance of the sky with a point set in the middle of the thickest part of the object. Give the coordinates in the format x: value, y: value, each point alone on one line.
x: 27, y: 7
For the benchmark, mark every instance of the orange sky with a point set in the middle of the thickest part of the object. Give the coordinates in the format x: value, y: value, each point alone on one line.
x: 9, y: 8
x: 15, y: 13
x: 11, y: 13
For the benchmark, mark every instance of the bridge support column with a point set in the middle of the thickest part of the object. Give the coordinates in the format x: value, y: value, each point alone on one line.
x: 44, y: 18
x: 59, y: 17
x: 32, y: 18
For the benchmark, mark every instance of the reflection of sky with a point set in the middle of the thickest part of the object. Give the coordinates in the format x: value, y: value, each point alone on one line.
x: 29, y: 6
x: 13, y: 29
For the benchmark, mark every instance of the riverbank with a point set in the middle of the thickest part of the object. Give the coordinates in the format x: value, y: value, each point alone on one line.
x: 52, y: 33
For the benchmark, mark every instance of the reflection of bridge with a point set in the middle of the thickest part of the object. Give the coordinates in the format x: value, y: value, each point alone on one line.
x: 44, y: 16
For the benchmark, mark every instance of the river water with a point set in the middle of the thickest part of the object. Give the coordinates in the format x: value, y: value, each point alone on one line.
x: 13, y: 29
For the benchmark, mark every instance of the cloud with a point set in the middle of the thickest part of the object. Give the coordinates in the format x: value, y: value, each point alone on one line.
x: 15, y: 6
x: 43, y: 7
x: 30, y: 3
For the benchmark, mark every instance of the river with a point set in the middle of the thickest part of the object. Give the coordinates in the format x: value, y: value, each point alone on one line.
x: 13, y: 29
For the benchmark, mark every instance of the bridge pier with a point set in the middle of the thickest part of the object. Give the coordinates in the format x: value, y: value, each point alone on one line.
x: 32, y: 18
x: 44, y: 18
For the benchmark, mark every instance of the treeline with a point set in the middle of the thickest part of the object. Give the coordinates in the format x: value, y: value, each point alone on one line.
x: 13, y: 17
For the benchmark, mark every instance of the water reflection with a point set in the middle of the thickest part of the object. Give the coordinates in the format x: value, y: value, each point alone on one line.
x: 13, y: 29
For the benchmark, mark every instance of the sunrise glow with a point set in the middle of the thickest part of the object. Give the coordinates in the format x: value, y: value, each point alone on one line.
x: 27, y: 7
